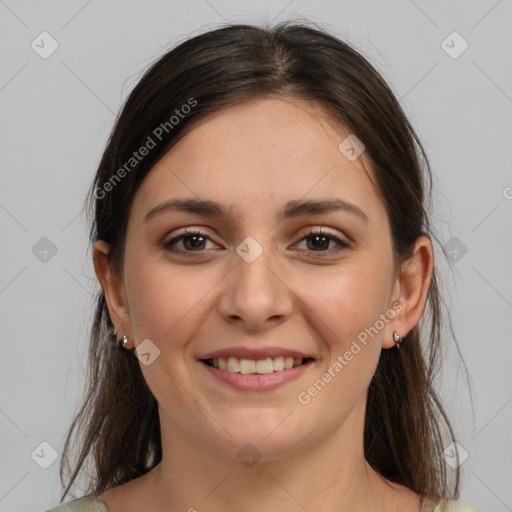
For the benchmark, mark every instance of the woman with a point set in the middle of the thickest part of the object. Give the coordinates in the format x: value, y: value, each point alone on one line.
x: 262, y: 241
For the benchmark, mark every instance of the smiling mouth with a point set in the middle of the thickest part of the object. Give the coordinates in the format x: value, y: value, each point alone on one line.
x: 256, y: 366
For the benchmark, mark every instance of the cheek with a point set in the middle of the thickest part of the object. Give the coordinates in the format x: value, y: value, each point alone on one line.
x: 345, y: 308
x: 165, y: 302
x: 348, y: 301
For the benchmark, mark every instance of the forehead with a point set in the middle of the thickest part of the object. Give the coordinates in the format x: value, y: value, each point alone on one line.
x: 261, y: 154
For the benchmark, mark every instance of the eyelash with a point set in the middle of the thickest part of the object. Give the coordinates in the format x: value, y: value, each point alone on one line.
x: 168, y: 245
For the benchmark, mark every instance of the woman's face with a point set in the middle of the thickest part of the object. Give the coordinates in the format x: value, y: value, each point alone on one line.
x: 257, y: 284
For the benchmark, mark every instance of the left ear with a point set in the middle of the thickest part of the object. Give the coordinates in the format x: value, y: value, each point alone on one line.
x: 411, y: 290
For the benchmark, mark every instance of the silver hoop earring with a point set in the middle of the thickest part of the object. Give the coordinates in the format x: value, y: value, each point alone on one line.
x: 397, y: 339
x: 123, y: 341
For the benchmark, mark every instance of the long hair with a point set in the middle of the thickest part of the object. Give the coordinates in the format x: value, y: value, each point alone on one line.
x: 117, y: 426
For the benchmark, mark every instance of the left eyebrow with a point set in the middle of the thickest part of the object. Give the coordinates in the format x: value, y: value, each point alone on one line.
x: 292, y: 209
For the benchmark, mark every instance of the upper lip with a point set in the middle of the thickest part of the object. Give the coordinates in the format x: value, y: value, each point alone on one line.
x: 255, y: 353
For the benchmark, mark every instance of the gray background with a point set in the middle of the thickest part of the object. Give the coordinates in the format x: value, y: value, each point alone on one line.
x: 56, y: 114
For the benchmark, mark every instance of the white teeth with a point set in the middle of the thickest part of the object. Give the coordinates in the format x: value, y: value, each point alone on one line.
x: 260, y: 366
x: 278, y: 363
x: 288, y: 362
x: 233, y: 365
x: 264, y: 366
x: 247, y: 366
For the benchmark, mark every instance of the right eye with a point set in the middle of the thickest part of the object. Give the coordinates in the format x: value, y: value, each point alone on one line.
x: 192, y: 241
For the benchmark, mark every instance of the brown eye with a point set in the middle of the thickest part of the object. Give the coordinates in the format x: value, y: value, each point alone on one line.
x: 319, y: 241
x: 191, y: 241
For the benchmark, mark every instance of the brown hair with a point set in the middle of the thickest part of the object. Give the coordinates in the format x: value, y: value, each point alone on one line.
x: 118, y: 423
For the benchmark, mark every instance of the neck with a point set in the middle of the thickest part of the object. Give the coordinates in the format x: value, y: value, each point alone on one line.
x: 331, y: 475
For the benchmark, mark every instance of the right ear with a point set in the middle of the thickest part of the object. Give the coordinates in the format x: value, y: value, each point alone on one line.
x: 113, y: 287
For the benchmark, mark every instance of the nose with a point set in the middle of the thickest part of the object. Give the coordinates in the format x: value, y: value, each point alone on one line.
x: 255, y: 295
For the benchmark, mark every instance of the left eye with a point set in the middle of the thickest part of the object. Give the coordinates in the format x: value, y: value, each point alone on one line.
x: 320, y: 240
x: 195, y: 241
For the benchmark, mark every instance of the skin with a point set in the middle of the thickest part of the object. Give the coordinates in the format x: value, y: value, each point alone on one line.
x: 253, y: 158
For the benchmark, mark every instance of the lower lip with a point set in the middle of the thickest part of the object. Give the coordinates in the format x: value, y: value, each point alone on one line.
x: 256, y: 382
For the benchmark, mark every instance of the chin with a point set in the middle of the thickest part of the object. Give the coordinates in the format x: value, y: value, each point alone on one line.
x: 270, y: 434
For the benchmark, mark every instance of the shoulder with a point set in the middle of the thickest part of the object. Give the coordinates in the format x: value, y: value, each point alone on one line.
x: 85, y: 504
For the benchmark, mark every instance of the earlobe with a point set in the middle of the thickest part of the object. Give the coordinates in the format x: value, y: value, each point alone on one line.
x: 411, y: 290
x: 113, y: 288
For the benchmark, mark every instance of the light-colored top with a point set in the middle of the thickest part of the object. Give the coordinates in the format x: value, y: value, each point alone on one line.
x: 91, y: 504
x: 85, y: 504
